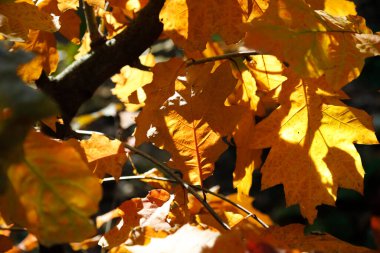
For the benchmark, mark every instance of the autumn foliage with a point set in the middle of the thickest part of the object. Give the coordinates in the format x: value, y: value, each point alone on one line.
x: 283, y: 62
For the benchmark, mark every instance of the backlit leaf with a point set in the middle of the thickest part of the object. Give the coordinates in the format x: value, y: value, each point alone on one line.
x: 191, y: 123
x: 334, y: 7
x: 187, y: 239
x: 292, y: 237
x: 312, y: 135
x: 191, y: 23
x: 133, y: 79
x: 17, y: 18
x: 137, y: 215
x: 65, y: 5
x: 44, y: 45
x: 104, y: 156
x: 320, y: 44
x: 246, y: 238
x: 51, y: 192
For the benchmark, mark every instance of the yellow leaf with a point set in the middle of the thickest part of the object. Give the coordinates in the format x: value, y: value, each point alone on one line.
x: 44, y: 45
x: 267, y: 71
x: 113, y: 21
x: 64, y: 5
x: 84, y: 46
x: 133, y: 79
x: 150, y: 211
x: 191, y: 23
x: 247, y: 159
x: 312, y: 135
x: 104, y: 156
x: 51, y: 192
x: 314, y: 46
x: 18, y: 18
x: 334, y: 7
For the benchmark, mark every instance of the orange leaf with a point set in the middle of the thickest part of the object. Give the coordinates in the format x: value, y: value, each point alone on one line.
x: 191, y: 123
x: 190, y: 23
x: 64, y: 5
x: 133, y: 79
x: 17, y: 18
x: 314, y: 46
x: 137, y: 215
x: 5, y: 243
x: 44, y: 45
x: 291, y: 239
x: 312, y: 135
x: 51, y: 192
x: 70, y: 21
x: 104, y: 156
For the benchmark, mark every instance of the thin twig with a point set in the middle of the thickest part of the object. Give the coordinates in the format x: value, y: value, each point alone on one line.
x: 250, y: 214
x: 165, y: 169
x: 141, y: 177
x: 13, y: 228
x: 92, y: 24
x: 191, y: 62
x: 108, y: 179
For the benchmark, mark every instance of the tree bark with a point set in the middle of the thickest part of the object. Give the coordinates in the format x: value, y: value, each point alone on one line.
x: 77, y: 83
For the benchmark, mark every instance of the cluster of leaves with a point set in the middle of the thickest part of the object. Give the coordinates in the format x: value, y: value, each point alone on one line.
x: 304, y: 52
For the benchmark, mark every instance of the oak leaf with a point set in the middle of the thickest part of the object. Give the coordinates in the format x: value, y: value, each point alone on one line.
x: 64, y: 5
x: 70, y: 21
x: 291, y: 238
x: 268, y: 72
x: 191, y: 123
x: 253, y: 8
x: 314, y: 46
x: 138, y: 214
x: 44, y: 45
x: 17, y: 18
x: 334, y: 7
x: 132, y: 79
x: 17, y: 116
x: 313, y: 135
x: 51, y: 192
x: 191, y: 23
x: 104, y: 156
x: 176, y: 242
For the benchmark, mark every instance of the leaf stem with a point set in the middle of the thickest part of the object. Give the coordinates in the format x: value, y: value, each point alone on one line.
x: 165, y: 169
x: 191, y: 62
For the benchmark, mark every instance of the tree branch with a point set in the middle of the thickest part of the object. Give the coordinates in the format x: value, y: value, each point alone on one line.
x: 77, y: 83
x: 191, y: 62
x: 92, y: 26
